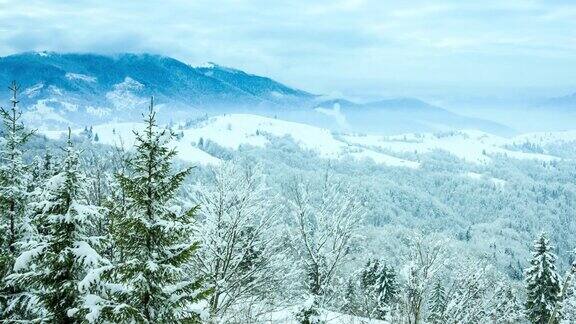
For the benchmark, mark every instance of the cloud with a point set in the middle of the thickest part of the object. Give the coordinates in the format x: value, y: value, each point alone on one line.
x: 352, y: 46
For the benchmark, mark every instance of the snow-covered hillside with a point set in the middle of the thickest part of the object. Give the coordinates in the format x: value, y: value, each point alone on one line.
x: 233, y: 130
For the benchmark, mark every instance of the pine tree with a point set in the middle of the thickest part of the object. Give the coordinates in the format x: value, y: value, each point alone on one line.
x: 154, y: 238
x: 56, y: 261
x: 14, y: 186
x: 542, y: 283
x: 437, y: 305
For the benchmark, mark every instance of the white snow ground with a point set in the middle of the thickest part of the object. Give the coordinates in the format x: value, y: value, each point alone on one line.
x: 287, y: 316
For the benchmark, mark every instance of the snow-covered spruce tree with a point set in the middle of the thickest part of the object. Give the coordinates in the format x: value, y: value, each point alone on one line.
x: 378, y: 288
x: 322, y: 228
x: 437, y: 304
x: 241, y: 254
x: 155, y: 239
x: 54, y: 262
x: 116, y: 200
x: 542, y: 283
x: 14, y: 189
x: 372, y: 292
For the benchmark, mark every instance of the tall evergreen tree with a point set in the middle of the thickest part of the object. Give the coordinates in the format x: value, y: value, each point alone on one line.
x: 379, y: 288
x: 14, y: 186
x: 55, y: 262
x: 542, y: 283
x: 372, y: 292
x: 351, y: 299
x: 437, y: 305
x: 154, y: 238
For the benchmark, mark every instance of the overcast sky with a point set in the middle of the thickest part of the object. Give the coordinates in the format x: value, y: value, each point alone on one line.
x: 357, y: 48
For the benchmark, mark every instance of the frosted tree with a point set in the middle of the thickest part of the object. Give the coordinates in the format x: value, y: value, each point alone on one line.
x: 153, y: 282
x: 242, y: 254
x: 425, y: 259
x: 437, y: 304
x: 378, y: 288
x: 373, y: 292
x: 14, y: 189
x: 567, y: 298
x: 542, y: 283
x: 322, y: 229
x: 54, y: 263
x: 506, y: 308
x: 470, y: 293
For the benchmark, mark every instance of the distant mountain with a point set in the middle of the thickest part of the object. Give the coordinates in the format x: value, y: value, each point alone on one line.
x: 338, y: 102
x: 399, y: 115
x: 81, y: 88
x: 89, y: 89
x: 402, y: 104
x: 564, y: 102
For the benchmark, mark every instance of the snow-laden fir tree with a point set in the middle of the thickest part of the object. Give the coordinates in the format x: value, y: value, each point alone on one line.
x: 56, y: 259
x: 542, y: 283
x: 155, y: 238
x: 437, y: 304
x: 14, y: 189
x: 371, y: 293
x: 242, y: 255
x: 351, y: 303
x: 116, y: 200
x: 379, y: 289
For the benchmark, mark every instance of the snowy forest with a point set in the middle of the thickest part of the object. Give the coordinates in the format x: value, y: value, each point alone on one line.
x: 94, y: 233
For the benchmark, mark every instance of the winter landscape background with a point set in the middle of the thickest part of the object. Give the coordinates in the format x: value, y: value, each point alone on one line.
x: 141, y: 188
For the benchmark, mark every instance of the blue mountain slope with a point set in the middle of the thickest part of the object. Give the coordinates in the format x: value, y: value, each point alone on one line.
x: 84, y: 87
x: 258, y: 86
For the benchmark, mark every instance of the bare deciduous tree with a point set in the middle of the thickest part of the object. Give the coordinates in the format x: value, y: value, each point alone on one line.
x: 425, y: 259
x: 241, y: 251
x: 323, y: 224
